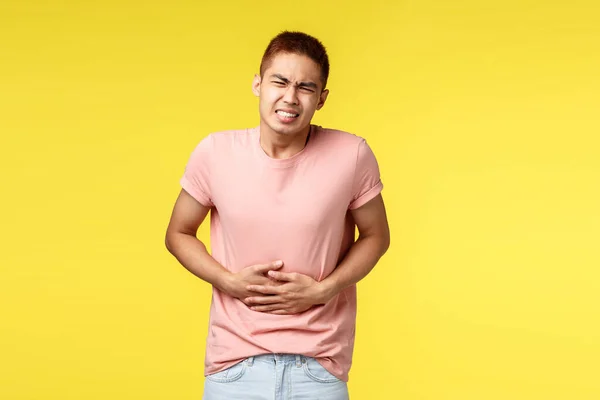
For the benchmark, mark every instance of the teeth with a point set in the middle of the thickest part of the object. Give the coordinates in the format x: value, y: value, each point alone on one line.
x: 286, y: 114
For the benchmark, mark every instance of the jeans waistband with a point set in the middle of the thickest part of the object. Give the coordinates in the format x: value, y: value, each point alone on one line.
x: 278, y: 359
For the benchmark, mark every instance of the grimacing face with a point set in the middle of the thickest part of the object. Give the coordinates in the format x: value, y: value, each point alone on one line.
x: 290, y: 91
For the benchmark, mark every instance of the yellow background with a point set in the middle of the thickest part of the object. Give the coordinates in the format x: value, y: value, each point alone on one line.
x: 484, y: 118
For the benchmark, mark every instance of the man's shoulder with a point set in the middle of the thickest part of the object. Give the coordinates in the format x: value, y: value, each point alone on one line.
x: 226, y: 138
x: 231, y: 134
x: 340, y: 137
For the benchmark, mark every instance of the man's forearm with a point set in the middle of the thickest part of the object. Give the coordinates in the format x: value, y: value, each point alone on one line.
x: 358, y: 262
x: 192, y: 254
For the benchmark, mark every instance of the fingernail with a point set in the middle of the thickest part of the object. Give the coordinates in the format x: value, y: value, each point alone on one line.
x: 278, y: 263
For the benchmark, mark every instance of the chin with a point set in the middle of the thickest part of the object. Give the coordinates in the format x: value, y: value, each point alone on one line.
x: 286, y: 129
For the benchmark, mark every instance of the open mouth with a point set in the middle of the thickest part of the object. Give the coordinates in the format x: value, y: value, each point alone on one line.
x: 285, y: 114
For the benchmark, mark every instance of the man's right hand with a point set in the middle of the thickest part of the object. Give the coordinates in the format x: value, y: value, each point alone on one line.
x: 236, y: 283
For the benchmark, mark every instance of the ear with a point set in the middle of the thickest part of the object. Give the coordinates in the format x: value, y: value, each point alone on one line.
x: 322, y: 99
x: 256, y: 85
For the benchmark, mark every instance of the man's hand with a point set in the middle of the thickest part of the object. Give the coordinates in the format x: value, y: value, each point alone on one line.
x: 296, y: 293
x: 237, y: 283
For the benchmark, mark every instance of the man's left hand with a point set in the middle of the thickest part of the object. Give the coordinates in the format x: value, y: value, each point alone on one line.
x: 298, y: 294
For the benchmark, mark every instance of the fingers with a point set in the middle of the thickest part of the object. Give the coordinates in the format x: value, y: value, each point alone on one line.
x: 280, y: 312
x: 263, y: 300
x: 272, y: 308
x: 265, y: 289
x: 262, y: 268
x: 283, y: 276
x: 275, y: 310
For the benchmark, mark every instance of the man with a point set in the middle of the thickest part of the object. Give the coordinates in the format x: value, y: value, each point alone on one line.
x: 285, y: 198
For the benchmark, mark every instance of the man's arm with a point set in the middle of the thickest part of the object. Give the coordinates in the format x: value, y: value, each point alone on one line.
x: 181, y: 241
x: 300, y: 292
x: 372, y: 243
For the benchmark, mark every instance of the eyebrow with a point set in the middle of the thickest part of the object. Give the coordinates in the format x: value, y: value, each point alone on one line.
x: 304, y: 84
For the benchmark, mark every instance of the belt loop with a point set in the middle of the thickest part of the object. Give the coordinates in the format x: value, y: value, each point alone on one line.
x: 298, y: 360
x: 250, y: 360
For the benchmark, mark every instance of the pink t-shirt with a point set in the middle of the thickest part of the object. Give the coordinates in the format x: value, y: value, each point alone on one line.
x: 296, y: 210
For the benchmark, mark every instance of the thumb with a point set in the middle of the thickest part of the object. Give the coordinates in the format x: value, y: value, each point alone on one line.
x: 269, y: 267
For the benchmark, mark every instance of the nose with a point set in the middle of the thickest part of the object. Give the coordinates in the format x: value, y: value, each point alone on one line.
x: 290, y: 96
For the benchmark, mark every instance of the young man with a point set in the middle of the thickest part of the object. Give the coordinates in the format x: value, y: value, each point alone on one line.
x: 285, y: 198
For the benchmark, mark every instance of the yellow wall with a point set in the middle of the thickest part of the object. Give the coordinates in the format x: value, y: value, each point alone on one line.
x: 483, y: 115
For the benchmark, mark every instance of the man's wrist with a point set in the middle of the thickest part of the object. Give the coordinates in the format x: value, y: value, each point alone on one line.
x: 327, y: 290
x: 224, y: 281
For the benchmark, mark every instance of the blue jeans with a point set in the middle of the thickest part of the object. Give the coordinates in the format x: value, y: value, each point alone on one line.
x: 275, y: 377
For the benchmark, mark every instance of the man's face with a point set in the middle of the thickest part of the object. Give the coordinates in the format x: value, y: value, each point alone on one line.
x: 290, y: 91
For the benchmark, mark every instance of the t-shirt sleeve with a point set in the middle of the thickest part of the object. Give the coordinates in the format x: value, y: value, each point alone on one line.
x: 367, y: 182
x: 196, y: 178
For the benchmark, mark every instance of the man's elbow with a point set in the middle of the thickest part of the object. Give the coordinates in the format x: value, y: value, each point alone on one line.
x: 380, y: 242
x: 170, y: 239
x: 168, y: 242
x: 385, y: 244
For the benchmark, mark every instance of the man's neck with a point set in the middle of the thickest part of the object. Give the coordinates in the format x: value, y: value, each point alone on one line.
x: 280, y: 146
